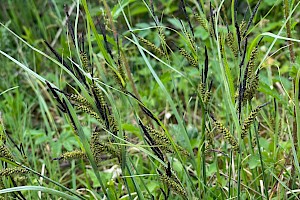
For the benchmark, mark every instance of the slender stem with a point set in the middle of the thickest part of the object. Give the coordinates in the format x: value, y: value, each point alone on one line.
x: 262, y: 164
x: 292, y: 59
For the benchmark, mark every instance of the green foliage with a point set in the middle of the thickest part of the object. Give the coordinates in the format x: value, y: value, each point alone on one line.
x: 147, y: 100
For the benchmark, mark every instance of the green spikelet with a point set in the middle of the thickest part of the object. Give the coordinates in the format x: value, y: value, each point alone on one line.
x: 252, y: 61
x: 249, y: 120
x: 227, y: 135
x: 89, y: 111
x: 251, y: 87
x: 163, y: 142
x: 209, y: 140
x: 12, y: 171
x: 95, y: 147
x: 119, y: 77
x: 232, y: 45
x: 189, y: 58
x: 100, y: 96
x: 121, y: 72
x: 151, y: 46
x: 5, y: 153
x: 112, y: 124
x: 201, y: 89
x: 85, y: 61
x: 203, y: 22
x: 191, y: 40
x: 161, y: 34
x: 205, y: 94
x: 78, y: 99
x: 98, y: 148
x: 72, y: 155
x: 172, y: 184
x: 211, y: 30
x: 242, y: 28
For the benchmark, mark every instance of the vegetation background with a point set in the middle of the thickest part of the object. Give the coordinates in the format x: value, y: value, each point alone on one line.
x: 154, y: 99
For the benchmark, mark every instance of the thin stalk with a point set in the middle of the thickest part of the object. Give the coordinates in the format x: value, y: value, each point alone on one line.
x: 261, y: 163
x: 292, y: 59
x: 203, y: 147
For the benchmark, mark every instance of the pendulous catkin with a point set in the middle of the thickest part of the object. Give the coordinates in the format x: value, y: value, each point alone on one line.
x: 78, y: 99
x: 89, y: 111
x: 98, y: 148
x: 151, y: 46
x: 191, y: 40
x: 113, y: 125
x: 162, y: 35
x: 72, y: 155
x: 250, y: 119
x: 242, y: 28
x: 232, y: 45
x: 13, y: 171
x: 251, y: 87
x: 5, y: 153
x: 85, y: 61
x: 202, y: 20
x: 192, y: 61
x: 205, y: 95
x: 227, y: 135
x: 252, y: 61
x: 172, y: 184
x: 163, y: 142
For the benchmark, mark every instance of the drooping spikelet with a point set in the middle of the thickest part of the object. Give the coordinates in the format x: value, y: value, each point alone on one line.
x: 72, y: 155
x: 190, y: 59
x: 227, y: 135
x: 205, y: 94
x: 232, y: 45
x: 121, y: 71
x: 251, y: 87
x: 161, y: 140
x: 202, y: 20
x: 113, y: 125
x: 78, y: 99
x: 209, y: 139
x: 252, y: 61
x: 85, y: 61
x: 172, y: 184
x: 12, y: 171
x: 211, y: 29
x: 98, y: 148
x: 162, y: 35
x: 5, y: 153
x: 242, y: 28
x: 250, y: 119
x: 89, y: 111
x: 99, y: 94
x: 151, y: 46
x: 95, y: 147
x: 119, y: 76
x: 101, y: 103
x: 191, y: 40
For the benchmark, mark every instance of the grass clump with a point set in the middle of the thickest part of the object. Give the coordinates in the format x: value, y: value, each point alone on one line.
x: 152, y: 101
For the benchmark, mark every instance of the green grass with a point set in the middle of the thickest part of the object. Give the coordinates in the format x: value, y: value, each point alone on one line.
x: 136, y: 87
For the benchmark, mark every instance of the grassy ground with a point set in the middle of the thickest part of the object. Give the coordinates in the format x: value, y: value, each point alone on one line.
x: 147, y: 100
